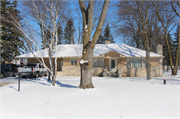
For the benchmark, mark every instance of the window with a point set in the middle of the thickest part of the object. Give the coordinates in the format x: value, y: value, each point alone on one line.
x: 98, y: 62
x: 102, y: 62
x: 128, y: 62
x: 73, y: 61
x: 94, y: 62
x: 136, y: 62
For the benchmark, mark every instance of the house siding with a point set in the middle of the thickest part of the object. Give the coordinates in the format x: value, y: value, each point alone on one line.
x: 154, y: 61
x: 106, y: 62
x: 139, y: 72
x: 66, y: 61
x: 123, y: 62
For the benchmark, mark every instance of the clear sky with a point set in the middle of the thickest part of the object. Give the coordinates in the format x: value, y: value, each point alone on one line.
x: 75, y: 15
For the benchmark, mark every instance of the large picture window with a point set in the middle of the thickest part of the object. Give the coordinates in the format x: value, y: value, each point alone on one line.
x: 136, y: 63
x: 98, y: 62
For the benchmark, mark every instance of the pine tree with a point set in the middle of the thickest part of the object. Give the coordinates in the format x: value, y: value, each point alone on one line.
x: 101, y: 40
x: 11, y: 43
x: 107, y: 34
x: 165, y: 51
x: 60, y: 35
x: 69, y: 32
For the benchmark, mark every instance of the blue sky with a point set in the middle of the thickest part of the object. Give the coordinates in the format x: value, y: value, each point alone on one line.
x: 75, y: 14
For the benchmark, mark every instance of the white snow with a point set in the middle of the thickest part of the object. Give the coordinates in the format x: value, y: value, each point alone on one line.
x: 86, y: 28
x: 112, y: 98
x: 71, y: 50
x: 82, y: 61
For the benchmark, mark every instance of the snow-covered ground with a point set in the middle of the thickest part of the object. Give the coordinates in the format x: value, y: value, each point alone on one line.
x: 112, y: 98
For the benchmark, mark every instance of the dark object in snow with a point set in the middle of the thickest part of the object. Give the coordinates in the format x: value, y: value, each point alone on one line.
x: 164, y: 81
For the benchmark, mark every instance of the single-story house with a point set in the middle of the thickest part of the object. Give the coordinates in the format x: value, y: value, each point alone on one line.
x: 109, y: 60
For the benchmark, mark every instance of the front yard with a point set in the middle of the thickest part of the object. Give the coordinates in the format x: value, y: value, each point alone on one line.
x: 127, y: 97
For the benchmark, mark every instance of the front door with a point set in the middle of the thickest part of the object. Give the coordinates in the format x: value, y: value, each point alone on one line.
x: 113, y: 65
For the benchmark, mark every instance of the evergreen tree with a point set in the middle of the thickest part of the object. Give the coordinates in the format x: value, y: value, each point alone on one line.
x: 60, y: 35
x: 108, y: 35
x: 11, y: 43
x: 165, y: 51
x: 101, y: 39
x: 69, y: 32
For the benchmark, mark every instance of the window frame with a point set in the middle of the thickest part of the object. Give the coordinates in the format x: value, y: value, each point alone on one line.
x: 73, y: 62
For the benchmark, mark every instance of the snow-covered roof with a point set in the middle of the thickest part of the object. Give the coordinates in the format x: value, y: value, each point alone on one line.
x: 75, y: 50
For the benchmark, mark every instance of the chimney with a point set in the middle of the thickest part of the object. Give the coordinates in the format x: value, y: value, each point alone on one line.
x: 107, y: 42
x: 159, y: 49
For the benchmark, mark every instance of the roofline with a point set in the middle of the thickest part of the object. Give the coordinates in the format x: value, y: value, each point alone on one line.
x: 93, y: 57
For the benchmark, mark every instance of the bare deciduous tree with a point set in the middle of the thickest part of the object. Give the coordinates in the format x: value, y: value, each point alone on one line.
x: 166, y: 18
x: 140, y: 25
x: 176, y: 6
x: 86, y: 63
x: 48, y: 15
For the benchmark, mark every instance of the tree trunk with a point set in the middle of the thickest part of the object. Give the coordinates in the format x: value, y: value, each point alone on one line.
x: 88, y: 43
x: 51, y: 64
x: 55, y: 60
x: 174, y: 71
x: 86, y: 76
x: 148, y: 65
x: 54, y: 78
x: 86, y: 69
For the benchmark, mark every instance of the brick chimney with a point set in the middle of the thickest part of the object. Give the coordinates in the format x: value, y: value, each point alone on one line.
x: 107, y: 42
